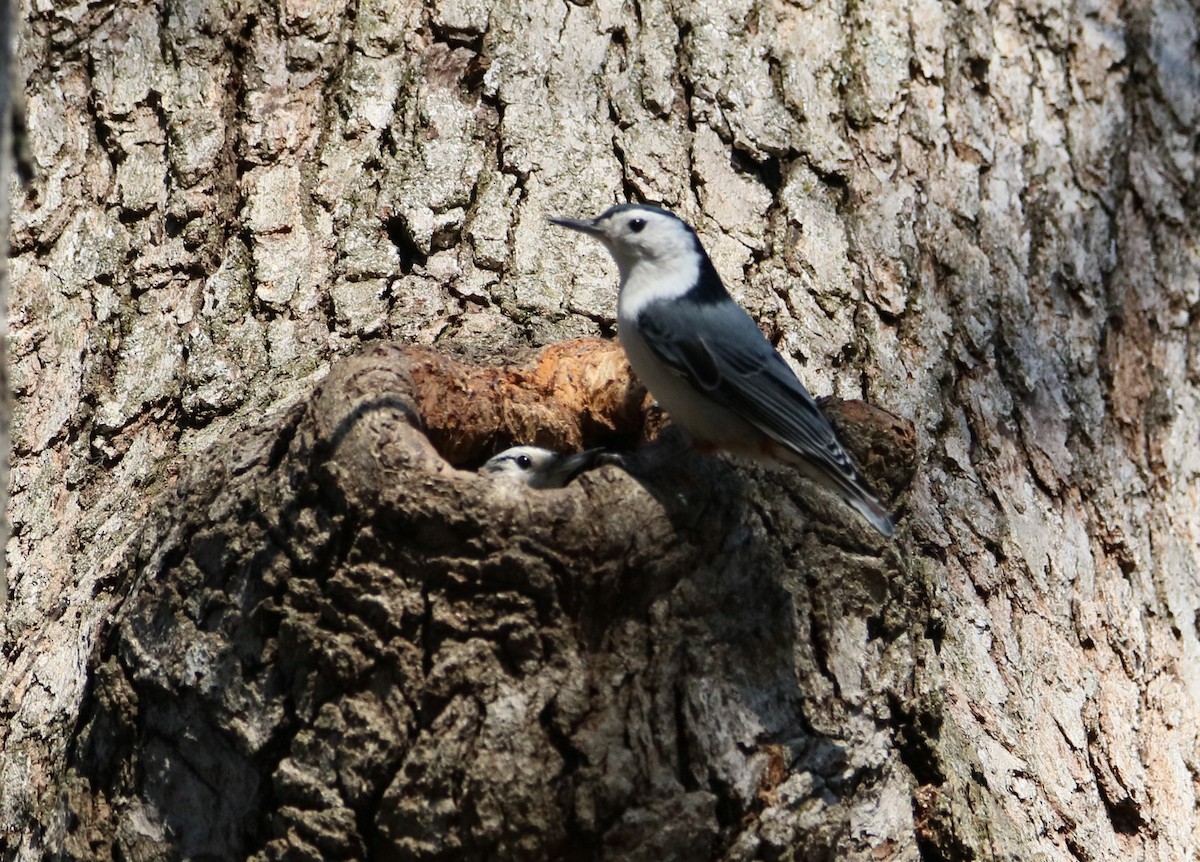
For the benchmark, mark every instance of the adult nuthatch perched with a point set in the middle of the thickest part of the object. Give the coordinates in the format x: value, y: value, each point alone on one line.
x: 540, y: 468
x: 704, y: 359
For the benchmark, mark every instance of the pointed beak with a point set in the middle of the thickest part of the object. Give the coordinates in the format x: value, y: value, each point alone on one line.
x: 581, y: 225
x: 570, y: 466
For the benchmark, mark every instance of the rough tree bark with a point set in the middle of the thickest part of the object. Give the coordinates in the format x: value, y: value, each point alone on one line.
x: 255, y: 613
x: 7, y: 164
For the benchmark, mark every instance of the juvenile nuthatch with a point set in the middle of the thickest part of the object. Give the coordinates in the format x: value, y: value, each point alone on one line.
x: 540, y: 468
x: 705, y: 361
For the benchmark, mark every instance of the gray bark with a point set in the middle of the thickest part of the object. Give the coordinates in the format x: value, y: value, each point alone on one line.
x: 254, y: 613
x: 7, y: 164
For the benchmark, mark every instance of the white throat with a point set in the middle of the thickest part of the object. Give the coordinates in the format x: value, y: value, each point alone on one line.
x: 648, y: 280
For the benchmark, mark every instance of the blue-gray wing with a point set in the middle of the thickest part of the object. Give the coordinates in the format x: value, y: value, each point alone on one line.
x: 720, y: 351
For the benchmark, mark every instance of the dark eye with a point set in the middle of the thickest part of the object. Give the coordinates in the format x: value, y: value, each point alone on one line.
x: 524, y: 462
x: 637, y: 224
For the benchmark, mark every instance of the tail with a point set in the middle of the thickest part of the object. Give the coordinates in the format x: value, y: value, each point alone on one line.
x: 843, y: 480
x: 865, y: 503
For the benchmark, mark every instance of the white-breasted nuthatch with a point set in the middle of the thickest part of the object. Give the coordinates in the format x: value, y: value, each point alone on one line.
x: 705, y: 361
x: 540, y: 468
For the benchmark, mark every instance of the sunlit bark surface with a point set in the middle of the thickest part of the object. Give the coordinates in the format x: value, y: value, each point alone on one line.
x: 254, y: 612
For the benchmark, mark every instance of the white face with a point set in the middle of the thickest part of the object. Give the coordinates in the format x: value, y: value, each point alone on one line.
x: 645, y: 234
x: 520, y: 462
x: 639, y: 234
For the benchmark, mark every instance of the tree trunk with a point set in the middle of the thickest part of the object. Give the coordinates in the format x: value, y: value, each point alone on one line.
x: 260, y: 606
x: 8, y: 123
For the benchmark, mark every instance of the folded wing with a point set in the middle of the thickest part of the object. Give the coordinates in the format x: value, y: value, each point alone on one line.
x: 720, y: 351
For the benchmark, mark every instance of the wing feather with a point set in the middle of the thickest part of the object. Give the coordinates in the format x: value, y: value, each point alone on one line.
x: 730, y: 360
x: 719, y: 351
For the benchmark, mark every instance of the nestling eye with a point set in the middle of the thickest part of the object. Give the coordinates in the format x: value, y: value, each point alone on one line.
x: 524, y: 462
x: 636, y: 225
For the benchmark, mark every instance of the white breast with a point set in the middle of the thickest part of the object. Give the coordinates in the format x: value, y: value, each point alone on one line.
x: 645, y: 281
x: 701, y: 417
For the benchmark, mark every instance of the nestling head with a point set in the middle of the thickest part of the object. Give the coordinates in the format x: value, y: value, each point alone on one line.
x: 520, y: 461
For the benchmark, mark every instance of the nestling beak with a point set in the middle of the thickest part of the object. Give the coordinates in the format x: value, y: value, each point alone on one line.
x: 571, y: 466
x: 581, y: 225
